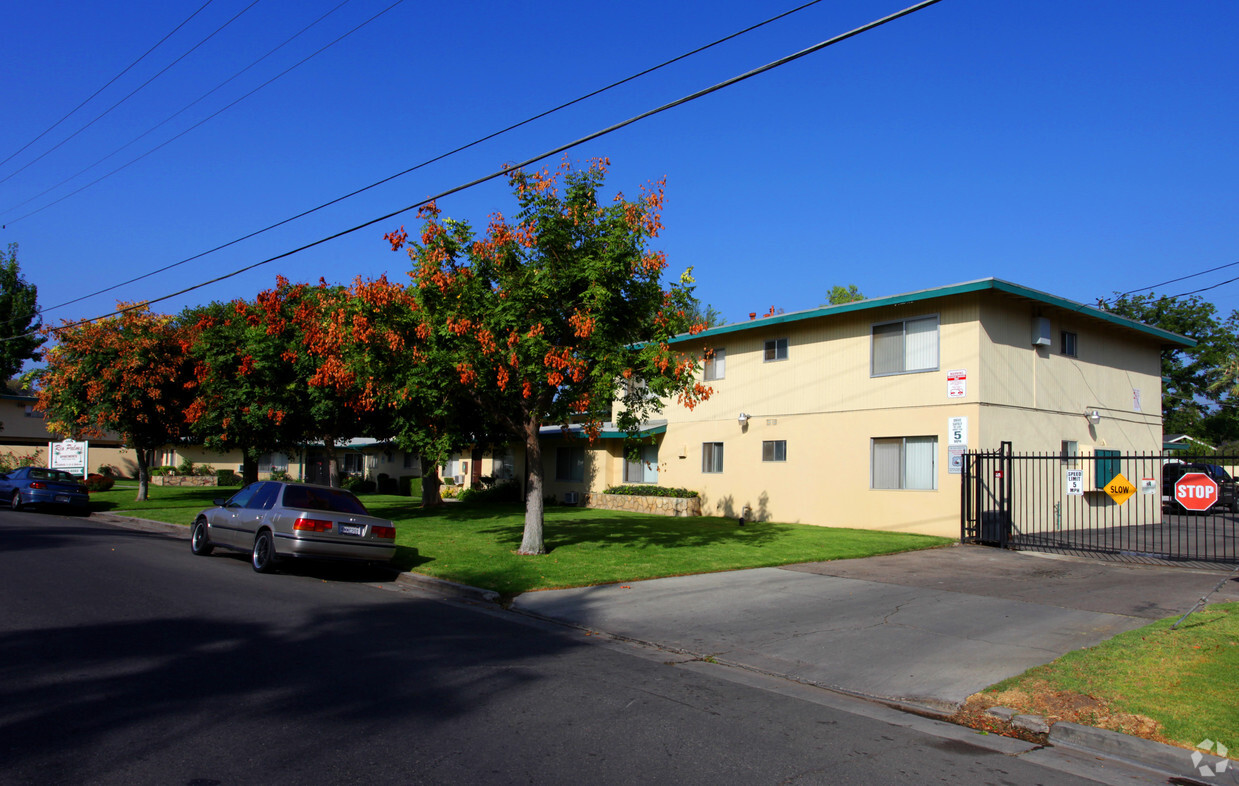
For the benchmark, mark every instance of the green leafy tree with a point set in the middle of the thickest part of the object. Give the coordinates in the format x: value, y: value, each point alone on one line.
x: 839, y: 295
x: 548, y: 320
x: 1190, y: 397
x: 127, y: 374
x: 19, y: 317
x: 267, y: 379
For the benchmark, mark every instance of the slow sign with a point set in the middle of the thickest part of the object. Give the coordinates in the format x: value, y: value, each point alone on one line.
x: 1196, y: 491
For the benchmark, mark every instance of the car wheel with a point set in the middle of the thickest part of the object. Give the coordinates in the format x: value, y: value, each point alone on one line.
x: 263, y: 555
x: 199, y: 543
x: 16, y: 502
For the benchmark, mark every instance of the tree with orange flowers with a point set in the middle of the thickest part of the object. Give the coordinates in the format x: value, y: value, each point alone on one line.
x: 125, y: 374
x: 268, y: 378
x: 550, y: 318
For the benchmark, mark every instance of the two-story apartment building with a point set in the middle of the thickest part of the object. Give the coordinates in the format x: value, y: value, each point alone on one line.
x: 857, y: 415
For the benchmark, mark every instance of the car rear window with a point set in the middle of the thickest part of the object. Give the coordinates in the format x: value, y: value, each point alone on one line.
x: 52, y: 474
x: 336, y: 500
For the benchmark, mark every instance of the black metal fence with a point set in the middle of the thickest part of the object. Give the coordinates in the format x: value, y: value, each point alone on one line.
x: 1103, y: 503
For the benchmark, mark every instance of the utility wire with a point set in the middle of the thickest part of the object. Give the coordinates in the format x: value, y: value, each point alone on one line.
x: 209, y: 117
x: 1177, y: 280
x: 131, y: 94
x: 527, y: 162
x: 437, y: 158
x: 178, y: 113
x: 48, y: 130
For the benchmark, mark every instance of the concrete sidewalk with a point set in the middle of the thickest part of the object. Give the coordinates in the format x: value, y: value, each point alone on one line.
x: 927, y: 628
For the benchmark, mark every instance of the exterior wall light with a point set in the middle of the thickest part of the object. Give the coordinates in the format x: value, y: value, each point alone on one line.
x: 743, y: 420
x: 1094, y: 417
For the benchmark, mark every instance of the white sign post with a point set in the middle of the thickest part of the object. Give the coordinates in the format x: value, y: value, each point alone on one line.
x: 69, y: 455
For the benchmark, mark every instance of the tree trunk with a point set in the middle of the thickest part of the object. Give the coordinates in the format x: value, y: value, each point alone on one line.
x: 430, y: 483
x: 249, y: 467
x: 532, y: 542
x: 144, y: 474
x: 333, y: 465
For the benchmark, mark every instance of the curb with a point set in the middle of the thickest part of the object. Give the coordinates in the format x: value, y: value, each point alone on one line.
x: 1137, y: 750
x: 441, y: 587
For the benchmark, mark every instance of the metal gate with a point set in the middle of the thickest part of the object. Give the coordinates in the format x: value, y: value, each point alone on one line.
x: 1104, y: 503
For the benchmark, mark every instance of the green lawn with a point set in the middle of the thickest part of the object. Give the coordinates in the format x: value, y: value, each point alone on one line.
x: 476, y: 543
x: 1176, y: 686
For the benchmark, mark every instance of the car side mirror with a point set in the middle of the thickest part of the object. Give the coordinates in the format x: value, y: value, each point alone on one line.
x: 219, y: 503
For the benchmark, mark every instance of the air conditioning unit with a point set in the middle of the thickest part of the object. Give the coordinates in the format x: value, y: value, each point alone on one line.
x: 571, y: 497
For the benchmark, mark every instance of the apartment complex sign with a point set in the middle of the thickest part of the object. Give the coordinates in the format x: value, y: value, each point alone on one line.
x: 69, y: 455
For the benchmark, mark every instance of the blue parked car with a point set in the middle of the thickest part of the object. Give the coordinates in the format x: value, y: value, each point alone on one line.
x: 29, y: 486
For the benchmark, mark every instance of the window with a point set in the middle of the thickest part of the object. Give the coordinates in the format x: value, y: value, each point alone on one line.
x: 905, y: 346
x: 1067, y: 343
x: 273, y: 462
x: 570, y: 464
x: 411, y: 461
x: 646, y: 469
x: 31, y: 413
x: 776, y: 349
x: 503, y: 464
x: 352, y: 463
x: 774, y: 450
x: 716, y: 365
x: 1071, y: 449
x: 905, y: 463
x: 712, y: 457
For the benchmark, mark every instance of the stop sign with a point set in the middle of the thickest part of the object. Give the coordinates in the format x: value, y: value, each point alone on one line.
x: 1196, y: 491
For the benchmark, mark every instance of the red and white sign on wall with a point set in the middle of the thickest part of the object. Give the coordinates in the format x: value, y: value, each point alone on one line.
x: 1196, y: 491
x: 957, y: 383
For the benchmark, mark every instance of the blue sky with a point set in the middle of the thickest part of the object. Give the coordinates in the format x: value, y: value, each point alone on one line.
x: 1076, y: 148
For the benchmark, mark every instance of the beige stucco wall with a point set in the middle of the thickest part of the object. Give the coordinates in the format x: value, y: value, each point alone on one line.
x: 824, y: 403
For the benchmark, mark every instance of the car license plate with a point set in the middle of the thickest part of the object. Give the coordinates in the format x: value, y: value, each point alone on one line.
x: 349, y: 529
x: 62, y: 499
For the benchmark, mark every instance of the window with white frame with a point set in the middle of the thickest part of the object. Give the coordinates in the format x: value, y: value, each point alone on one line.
x: 1071, y: 449
x: 1067, y: 343
x: 570, y: 464
x: 904, y: 463
x: 645, y: 469
x: 503, y: 464
x: 906, y: 346
x: 716, y: 365
x: 712, y: 457
x: 353, y: 463
x: 273, y: 462
x: 776, y: 349
x: 774, y: 450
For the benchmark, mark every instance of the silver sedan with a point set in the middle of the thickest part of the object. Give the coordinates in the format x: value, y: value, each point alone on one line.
x: 273, y: 519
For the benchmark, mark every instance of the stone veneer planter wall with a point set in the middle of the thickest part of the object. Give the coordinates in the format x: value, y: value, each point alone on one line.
x: 658, y: 506
x: 186, y: 480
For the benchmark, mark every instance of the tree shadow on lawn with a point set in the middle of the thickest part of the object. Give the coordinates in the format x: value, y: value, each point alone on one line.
x: 573, y: 527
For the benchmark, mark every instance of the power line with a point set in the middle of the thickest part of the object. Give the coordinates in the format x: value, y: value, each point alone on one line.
x: 131, y: 94
x: 1177, y: 280
x: 533, y: 160
x: 437, y: 158
x: 179, y: 112
x: 208, y: 118
x: 126, y: 70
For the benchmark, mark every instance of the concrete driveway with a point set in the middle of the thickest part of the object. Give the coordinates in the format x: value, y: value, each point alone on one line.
x: 928, y: 628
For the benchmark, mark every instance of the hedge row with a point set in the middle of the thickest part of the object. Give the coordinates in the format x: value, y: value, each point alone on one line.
x: 651, y: 491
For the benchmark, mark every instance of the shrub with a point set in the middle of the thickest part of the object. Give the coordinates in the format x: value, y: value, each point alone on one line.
x: 365, y: 487
x: 164, y: 470
x: 205, y: 470
x: 651, y: 491
x: 186, y: 467
x: 226, y: 477
x: 387, y: 484
x: 95, y: 482
x: 405, y: 488
x: 280, y: 474
x: 107, y: 470
x: 503, y: 491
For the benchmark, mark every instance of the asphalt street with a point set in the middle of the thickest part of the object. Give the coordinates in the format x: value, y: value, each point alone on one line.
x: 124, y: 659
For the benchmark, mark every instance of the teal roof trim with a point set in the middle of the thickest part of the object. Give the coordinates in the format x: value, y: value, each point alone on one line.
x: 982, y: 285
